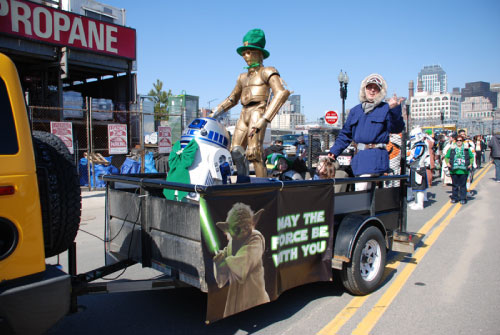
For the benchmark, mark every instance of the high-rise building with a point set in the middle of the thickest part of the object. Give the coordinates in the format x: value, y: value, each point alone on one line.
x: 433, y: 79
x: 289, y: 115
x: 496, y: 88
x: 287, y: 118
x: 479, y: 89
x: 295, y: 103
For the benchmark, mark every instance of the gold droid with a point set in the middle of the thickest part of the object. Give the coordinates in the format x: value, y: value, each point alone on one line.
x: 253, y: 89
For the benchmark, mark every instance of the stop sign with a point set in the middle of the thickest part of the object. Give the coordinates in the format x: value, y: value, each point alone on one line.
x: 331, y: 117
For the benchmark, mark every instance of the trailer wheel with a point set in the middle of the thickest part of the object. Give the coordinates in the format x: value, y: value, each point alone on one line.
x: 363, y: 273
x: 59, y: 189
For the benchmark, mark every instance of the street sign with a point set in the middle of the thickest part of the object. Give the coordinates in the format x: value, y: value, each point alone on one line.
x: 331, y: 117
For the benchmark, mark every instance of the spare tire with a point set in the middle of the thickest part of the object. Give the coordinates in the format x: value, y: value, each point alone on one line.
x: 59, y: 189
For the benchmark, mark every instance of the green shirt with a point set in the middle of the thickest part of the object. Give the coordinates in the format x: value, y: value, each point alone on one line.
x: 459, y: 160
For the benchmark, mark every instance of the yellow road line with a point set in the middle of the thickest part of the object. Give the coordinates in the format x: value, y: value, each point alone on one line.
x: 370, y: 320
x: 357, y: 302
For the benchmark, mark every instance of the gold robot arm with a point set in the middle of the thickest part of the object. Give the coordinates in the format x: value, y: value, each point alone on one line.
x: 229, y: 102
x: 280, y: 95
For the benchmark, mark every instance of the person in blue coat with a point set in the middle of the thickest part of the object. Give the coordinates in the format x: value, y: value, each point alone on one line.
x: 369, y: 125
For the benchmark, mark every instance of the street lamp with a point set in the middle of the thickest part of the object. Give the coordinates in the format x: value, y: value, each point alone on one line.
x: 343, y: 81
x: 442, y: 117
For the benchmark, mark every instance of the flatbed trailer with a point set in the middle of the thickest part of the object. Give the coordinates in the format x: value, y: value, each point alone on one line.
x: 174, y: 237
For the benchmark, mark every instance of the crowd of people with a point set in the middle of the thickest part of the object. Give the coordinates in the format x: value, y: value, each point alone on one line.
x: 375, y: 128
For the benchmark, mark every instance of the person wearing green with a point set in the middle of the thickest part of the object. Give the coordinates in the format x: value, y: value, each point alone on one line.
x: 459, y: 160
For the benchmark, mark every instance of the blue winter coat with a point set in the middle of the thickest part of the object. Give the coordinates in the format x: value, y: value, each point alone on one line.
x: 374, y: 127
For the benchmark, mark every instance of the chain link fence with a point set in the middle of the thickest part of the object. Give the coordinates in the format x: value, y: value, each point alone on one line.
x: 89, y: 130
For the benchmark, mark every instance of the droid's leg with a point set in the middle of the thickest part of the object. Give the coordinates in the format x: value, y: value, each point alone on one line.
x: 239, y: 159
x: 255, y: 144
x: 238, y: 148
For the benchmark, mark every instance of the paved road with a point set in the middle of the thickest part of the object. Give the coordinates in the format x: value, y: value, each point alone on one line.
x: 450, y: 285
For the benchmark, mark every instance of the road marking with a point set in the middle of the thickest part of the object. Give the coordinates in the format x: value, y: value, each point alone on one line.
x: 370, y: 320
x: 357, y: 302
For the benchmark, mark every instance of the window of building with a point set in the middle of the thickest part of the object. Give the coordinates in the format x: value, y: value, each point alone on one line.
x: 98, y: 16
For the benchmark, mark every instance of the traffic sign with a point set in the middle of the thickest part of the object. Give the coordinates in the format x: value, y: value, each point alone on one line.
x: 331, y: 117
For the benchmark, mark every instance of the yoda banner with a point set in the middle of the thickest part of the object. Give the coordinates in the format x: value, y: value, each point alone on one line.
x: 259, y: 243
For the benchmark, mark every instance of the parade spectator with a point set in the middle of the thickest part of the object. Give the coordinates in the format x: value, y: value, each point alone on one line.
x: 480, y: 148
x: 445, y: 172
x: 286, y: 169
x: 277, y: 147
x: 469, y: 144
x: 459, y: 161
x: 328, y: 169
x: 369, y: 125
x: 430, y: 163
x: 494, y: 145
x: 301, y: 146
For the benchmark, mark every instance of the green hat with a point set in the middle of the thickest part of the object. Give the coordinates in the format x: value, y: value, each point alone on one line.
x: 254, y: 39
x: 274, y: 158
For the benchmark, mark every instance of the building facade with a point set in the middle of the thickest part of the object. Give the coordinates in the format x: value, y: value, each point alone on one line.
x: 479, y: 89
x: 433, y: 79
x: 477, y: 108
x: 289, y: 115
x: 427, y: 107
x: 287, y: 118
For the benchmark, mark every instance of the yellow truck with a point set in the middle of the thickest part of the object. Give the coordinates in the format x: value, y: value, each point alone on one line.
x: 40, y: 207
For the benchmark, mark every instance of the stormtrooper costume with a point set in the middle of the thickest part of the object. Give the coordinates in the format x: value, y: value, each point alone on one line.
x: 417, y: 160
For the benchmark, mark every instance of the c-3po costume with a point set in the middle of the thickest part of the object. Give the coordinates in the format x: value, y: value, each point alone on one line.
x: 252, y: 88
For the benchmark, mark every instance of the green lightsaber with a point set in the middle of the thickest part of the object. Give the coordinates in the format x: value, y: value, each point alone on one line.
x: 207, y: 229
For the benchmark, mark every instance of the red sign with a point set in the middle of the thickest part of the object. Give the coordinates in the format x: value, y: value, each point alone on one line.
x: 117, y: 139
x: 38, y: 22
x: 63, y: 130
x: 331, y: 117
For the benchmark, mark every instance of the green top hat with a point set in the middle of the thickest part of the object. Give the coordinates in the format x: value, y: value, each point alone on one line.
x: 254, y: 39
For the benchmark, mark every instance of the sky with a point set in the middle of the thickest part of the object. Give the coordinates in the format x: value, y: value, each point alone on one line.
x: 191, y: 45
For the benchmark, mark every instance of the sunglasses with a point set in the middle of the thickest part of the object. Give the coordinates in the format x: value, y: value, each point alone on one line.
x: 459, y: 141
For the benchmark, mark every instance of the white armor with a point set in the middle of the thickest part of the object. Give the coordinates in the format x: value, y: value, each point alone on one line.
x: 418, y: 159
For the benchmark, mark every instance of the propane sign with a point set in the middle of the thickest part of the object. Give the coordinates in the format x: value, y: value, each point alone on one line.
x: 117, y: 139
x: 30, y: 20
x: 331, y: 117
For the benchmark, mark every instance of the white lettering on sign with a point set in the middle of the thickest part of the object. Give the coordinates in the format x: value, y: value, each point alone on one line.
x: 36, y: 22
x: 31, y: 20
x: 110, y: 38
x: 57, y: 25
x: 77, y: 32
x: 16, y: 17
x: 97, y: 37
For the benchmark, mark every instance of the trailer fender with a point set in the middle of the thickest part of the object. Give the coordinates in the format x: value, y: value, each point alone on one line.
x: 348, y: 232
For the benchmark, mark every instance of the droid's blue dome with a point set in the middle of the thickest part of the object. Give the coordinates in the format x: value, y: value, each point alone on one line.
x: 208, y: 130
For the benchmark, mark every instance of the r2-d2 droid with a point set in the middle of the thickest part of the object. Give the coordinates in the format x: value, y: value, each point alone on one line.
x: 212, y: 164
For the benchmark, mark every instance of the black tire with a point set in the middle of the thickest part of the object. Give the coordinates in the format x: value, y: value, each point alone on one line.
x: 60, y: 195
x: 363, y: 274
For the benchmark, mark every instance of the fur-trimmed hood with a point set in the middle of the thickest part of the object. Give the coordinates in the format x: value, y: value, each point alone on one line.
x: 383, y: 91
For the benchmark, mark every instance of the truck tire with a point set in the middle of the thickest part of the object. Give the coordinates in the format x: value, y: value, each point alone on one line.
x: 364, y: 272
x: 59, y: 189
